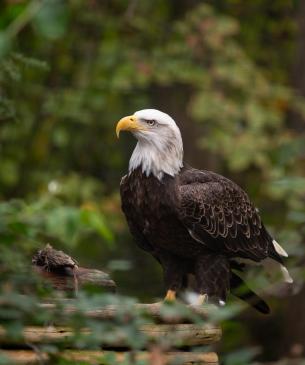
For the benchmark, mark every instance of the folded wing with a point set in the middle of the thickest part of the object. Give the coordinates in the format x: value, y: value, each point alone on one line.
x: 219, y: 214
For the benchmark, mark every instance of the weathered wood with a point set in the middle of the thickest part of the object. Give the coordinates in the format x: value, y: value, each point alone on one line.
x: 183, y: 334
x: 154, y: 311
x: 29, y: 357
x: 63, y: 272
x: 53, y: 260
x: 176, y: 335
x: 26, y: 357
x: 66, y: 281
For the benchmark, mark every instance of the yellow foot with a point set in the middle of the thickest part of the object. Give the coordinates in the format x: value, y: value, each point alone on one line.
x: 170, y: 296
x: 202, y: 299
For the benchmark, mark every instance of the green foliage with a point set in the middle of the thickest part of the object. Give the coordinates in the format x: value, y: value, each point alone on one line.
x: 241, y: 357
x: 49, y: 218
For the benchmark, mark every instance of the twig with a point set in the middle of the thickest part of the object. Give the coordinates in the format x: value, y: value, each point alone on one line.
x: 23, y: 19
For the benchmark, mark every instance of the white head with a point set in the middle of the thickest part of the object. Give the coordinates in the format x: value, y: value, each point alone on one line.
x: 159, y: 149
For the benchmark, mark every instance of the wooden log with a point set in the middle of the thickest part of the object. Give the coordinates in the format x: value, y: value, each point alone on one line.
x: 63, y: 272
x: 177, y: 335
x: 29, y: 357
x: 66, y: 281
x: 153, y: 310
x: 180, y: 335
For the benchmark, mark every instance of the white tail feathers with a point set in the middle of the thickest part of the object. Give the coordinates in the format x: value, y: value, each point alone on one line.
x: 279, y: 249
x: 286, y: 275
x: 274, y: 268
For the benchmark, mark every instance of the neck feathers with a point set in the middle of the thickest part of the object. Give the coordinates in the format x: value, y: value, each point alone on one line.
x: 158, y: 159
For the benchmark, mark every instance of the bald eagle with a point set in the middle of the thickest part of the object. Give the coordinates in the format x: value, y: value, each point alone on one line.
x: 194, y: 222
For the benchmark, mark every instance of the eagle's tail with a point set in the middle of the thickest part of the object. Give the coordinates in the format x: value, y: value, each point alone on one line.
x: 274, y: 264
x: 275, y: 269
x: 242, y: 291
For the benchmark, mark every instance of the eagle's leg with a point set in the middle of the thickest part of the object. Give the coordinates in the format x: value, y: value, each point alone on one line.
x: 174, y: 270
x: 173, y: 278
x: 213, y: 275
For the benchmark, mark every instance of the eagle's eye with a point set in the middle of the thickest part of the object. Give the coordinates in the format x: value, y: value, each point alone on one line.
x: 150, y: 122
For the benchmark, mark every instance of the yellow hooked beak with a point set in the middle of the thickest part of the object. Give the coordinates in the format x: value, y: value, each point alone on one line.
x: 129, y: 123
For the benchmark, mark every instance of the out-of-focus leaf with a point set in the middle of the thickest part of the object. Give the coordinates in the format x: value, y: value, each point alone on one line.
x: 241, y: 357
x: 95, y: 220
x: 122, y: 265
x: 51, y: 20
x: 4, y: 360
x: 5, y: 45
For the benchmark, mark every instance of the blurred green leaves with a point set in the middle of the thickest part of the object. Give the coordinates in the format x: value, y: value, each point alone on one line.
x: 47, y: 219
x: 51, y: 19
x: 18, y: 17
x: 241, y: 357
x: 48, y: 17
x: 95, y: 220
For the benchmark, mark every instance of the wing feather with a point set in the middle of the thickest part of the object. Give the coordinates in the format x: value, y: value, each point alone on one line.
x: 219, y: 214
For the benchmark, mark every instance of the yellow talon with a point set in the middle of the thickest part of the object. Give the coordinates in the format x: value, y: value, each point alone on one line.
x: 170, y: 296
x: 202, y: 299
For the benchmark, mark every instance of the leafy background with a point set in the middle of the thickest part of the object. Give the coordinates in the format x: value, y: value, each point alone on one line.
x: 230, y: 72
